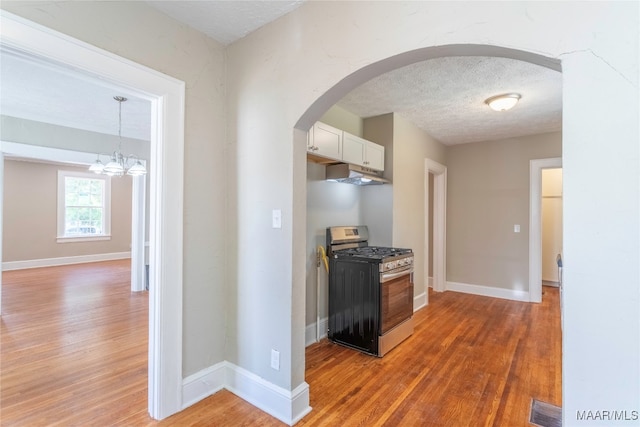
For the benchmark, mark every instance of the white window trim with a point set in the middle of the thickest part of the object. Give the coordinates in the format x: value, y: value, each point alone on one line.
x: 106, y: 229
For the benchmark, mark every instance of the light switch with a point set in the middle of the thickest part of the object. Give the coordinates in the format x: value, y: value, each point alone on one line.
x: 276, y: 218
x: 516, y: 228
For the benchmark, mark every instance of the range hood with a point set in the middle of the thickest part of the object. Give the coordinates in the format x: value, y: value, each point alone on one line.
x: 354, y: 174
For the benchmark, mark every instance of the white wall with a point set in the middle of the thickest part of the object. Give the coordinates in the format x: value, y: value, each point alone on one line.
x: 601, y: 335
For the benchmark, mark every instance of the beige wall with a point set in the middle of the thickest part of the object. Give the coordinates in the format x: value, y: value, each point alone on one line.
x: 551, y: 222
x: 487, y: 194
x: 342, y: 119
x: 396, y: 212
x: 30, y: 214
x: 31, y: 132
x: 411, y: 146
x: 377, y: 200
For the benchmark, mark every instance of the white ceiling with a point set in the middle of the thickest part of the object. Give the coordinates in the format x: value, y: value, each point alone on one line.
x: 226, y: 21
x: 443, y: 96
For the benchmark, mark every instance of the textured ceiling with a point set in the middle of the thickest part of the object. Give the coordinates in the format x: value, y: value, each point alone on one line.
x: 48, y: 93
x: 445, y: 97
x: 226, y: 21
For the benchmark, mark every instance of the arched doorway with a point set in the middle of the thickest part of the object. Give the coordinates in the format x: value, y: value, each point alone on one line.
x: 334, y: 94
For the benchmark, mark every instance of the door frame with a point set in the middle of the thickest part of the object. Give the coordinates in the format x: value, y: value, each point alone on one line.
x: 536, y: 167
x: 439, y: 172
x: 167, y: 97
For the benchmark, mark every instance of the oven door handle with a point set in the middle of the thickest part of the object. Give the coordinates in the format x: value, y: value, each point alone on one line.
x: 385, y: 277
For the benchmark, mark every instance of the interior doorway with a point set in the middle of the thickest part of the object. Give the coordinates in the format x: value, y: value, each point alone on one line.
x: 535, y: 223
x: 437, y: 232
x: 551, y: 227
x: 429, y: 225
x: 166, y: 95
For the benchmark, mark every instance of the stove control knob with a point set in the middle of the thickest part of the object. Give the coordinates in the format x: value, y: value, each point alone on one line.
x: 409, y: 261
x: 390, y: 265
x: 402, y: 261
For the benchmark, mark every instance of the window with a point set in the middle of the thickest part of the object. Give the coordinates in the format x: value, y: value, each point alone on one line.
x: 84, y: 207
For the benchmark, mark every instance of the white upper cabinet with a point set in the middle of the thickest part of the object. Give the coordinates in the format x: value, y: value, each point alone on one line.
x: 325, y: 141
x: 332, y: 143
x: 362, y: 152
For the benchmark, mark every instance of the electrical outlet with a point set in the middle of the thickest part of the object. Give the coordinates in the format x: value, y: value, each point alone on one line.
x: 275, y: 359
x: 516, y: 228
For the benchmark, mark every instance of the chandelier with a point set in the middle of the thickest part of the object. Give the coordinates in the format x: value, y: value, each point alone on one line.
x: 119, y: 164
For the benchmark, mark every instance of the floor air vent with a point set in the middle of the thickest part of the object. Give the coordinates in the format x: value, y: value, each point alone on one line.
x: 545, y: 414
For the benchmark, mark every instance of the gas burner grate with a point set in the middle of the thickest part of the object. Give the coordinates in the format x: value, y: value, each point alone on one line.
x: 374, y: 252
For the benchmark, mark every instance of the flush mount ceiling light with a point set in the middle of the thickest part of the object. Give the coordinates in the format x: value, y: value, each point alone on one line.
x: 503, y: 102
x: 119, y: 163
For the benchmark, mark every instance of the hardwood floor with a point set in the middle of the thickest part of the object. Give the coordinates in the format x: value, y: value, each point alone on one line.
x: 73, y: 346
x: 74, y: 351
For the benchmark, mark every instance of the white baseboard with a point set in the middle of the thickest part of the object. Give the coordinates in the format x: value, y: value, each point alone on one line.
x: 203, y: 384
x: 488, y: 291
x: 52, y: 262
x: 419, y: 301
x: 287, y: 406
x: 310, y: 332
x: 552, y: 283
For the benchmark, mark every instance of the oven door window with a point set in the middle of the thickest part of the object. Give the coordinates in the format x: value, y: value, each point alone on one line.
x: 396, y: 300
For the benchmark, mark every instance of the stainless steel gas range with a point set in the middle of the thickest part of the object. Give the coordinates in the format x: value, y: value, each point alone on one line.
x: 370, y: 291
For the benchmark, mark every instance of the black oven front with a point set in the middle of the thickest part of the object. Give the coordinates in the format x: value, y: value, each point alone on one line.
x: 368, y: 310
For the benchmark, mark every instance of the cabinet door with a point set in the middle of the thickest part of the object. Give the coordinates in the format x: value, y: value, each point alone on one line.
x: 327, y: 141
x: 374, y: 156
x: 353, y: 149
x: 361, y: 152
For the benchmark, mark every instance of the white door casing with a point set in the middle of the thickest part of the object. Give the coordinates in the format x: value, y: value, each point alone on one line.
x: 167, y: 97
x: 439, y: 223
x: 138, y: 198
